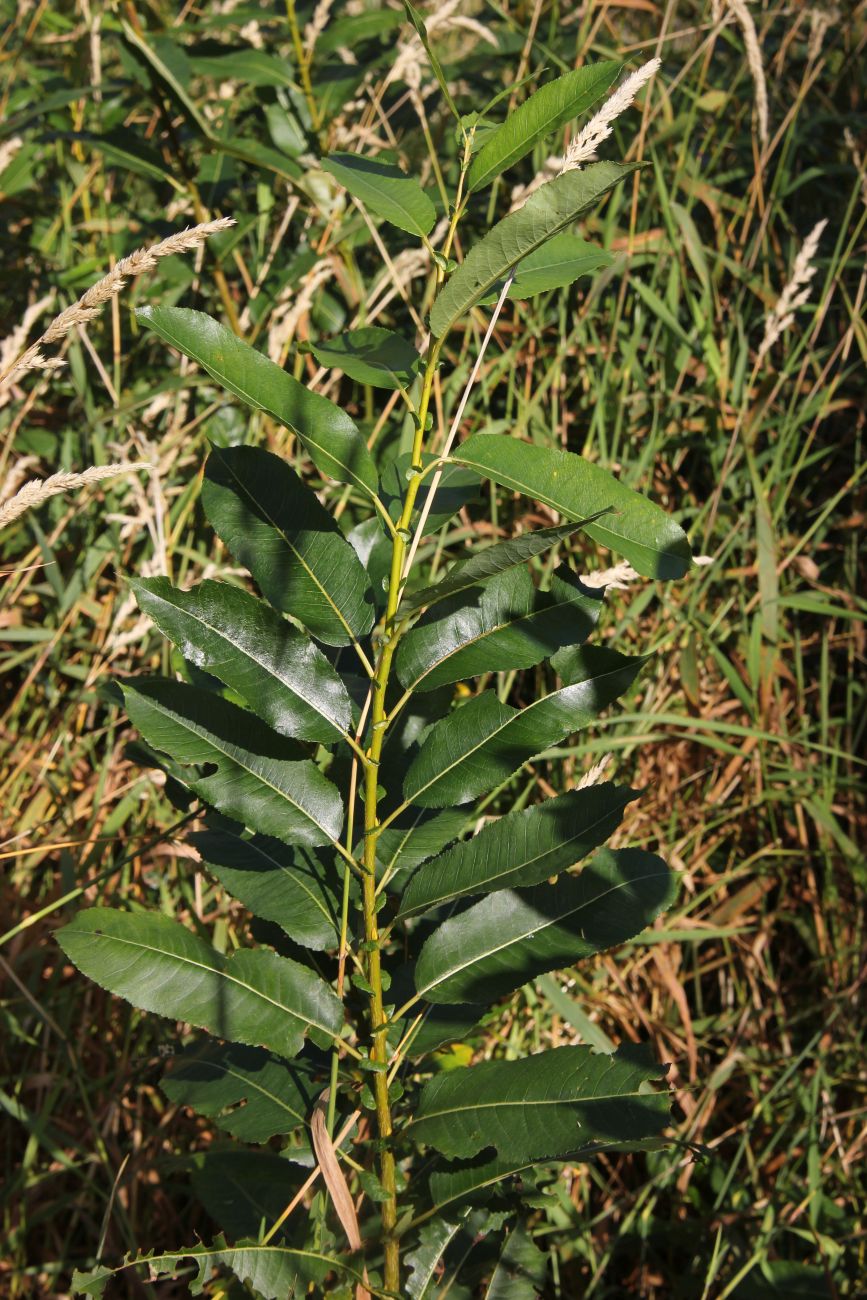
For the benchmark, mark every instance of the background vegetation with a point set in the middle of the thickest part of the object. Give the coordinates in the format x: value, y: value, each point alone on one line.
x: 124, y: 123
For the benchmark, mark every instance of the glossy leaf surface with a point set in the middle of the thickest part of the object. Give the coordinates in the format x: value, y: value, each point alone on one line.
x: 513, y: 936
x: 158, y: 965
x: 279, y: 882
x: 482, y: 743
x: 542, y: 1106
x: 550, y: 107
x: 283, y: 677
x: 236, y: 763
x: 549, y: 210
x: 372, y: 356
x: 634, y: 527
x: 385, y: 190
x: 275, y: 526
x: 523, y: 848
x: 330, y: 437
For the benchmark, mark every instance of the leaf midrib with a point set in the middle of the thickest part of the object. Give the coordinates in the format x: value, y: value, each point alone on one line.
x: 251, y: 1085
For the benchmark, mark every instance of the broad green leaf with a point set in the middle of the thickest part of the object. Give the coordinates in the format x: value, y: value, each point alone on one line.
x: 512, y: 936
x: 235, y: 763
x: 418, y: 834
x: 456, y: 488
x: 549, y: 210
x: 558, y: 263
x: 274, y: 1271
x: 423, y: 1261
x: 274, y: 525
x: 355, y: 29
x: 634, y: 526
x: 522, y: 848
x: 158, y: 965
x: 484, y: 742
x: 542, y: 1106
x: 512, y: 625
x: 332, y: 440
x: 244, y: 1191
x: 521, y: 1269
x: 385, y: 190
x: 439, y: 1027
x: 249, y: 66
x: 550, y: 107
x: 245, y: 1091
x: 283, y: 677
x: 371, y: 356
x: 279, y: 882
x: 489, y: 561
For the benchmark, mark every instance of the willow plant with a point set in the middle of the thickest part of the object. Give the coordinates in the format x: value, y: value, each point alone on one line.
x: 337, y: 736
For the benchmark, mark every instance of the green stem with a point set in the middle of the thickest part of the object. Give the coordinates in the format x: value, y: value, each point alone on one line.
x: 303, y: 65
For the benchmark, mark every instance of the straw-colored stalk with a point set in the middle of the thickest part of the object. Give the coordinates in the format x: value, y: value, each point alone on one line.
x: 39, y: 490
x: 91, y: 303
x: 796, y: 292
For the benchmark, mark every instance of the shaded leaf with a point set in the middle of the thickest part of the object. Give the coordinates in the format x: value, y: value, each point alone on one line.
x: 423, y: 1261
x: 456, y: 488
x: 549, y: 210
x: 634, y: 527
x: 512, y: 936
x: 277, y: 529
x: 523, y: 848
x: 512, y: 625
x: 245, y: 770
x: 558, y: 263
x: 418, y: 834
x: 254, y: 997
x: 330, y: 437
x: 542, y: 1106
x: 282, y: 883
x: 284, y: 678
x: 247, y: 1092
x: 385, y: 190
x: 521, y: 1269
x: 550, y: 107
x: 244, y: 1191
x: 484, y: 742
x: 371, y: 356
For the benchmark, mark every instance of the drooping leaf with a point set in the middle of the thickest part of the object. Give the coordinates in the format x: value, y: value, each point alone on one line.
x: 484, y: 742
x: 541, y: 1106
x: 279, y: 882
x: 254, y: 997
x: 247, y: 1092
x: 549, y: 210
x: 385, y: 190
x: 371, y: 356
x: 330, y: 437
x: 512, y: 936
x: 550, y: 107
x: 480, y: 565
x: 236, y: 763
x: 244, y: 1191
x: 559, y: 262
x: 523, y: 848
x: 284, y: 678
x: 276, y: 528
x: 634, y: 527
x: 521, y: 1268
x: 512, y: 625
x: 274, y: 1271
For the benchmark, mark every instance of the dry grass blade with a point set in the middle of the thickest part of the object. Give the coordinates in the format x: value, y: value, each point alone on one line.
x: 338, y: 1188
x: 39, y: 490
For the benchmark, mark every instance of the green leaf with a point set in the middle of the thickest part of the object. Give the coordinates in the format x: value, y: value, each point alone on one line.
x: 521, y: 1269
x: 513, y: 625
x: 634, y: 527
x: 549, y: 210
x: 258, y: 778
x: 273, y: 1271
x: 282, y: 883
x: 248, y: 66
x: 418, y: 834
x: 284, y: 678
x: 542, y: 1106
x: 254, y: 997
x: 385, y: 190
x: 371, y: 356
x: 434, y: 1237
x: 484, y: 742
x: 511, y: 937
x: 489, y: 561
x: 244, y: 1191
x: 421, y: 30
x: 552, y: 106
x: 276, y: 528
x: 332, y: 440
x: 522, y: 848
x: 559, y: 262
x: 245, y: 1091
x: 456, y: 488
